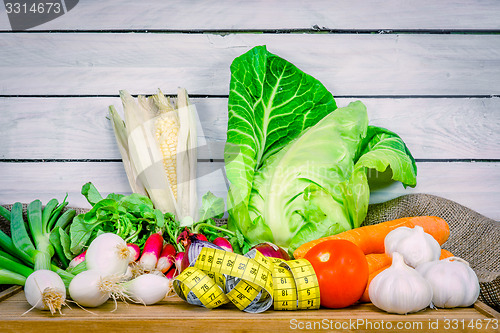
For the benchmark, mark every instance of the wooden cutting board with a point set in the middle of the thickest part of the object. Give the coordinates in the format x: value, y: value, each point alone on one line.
x: 173, y: 314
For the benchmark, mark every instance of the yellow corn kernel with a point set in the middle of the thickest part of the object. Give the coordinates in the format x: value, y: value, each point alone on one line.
x: 167, y: 128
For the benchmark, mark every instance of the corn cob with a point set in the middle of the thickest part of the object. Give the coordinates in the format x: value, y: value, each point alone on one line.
x: 161, y: 150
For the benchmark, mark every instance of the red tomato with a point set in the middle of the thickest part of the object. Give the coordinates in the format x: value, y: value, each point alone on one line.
x: 342, y: 272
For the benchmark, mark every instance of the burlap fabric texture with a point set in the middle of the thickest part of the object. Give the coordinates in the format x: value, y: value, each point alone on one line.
x: 473, y: 237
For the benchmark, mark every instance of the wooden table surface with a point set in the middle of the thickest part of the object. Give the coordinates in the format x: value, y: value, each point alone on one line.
x: 176, y: 315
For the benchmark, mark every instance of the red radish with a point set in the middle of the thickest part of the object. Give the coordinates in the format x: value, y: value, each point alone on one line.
x: 151, y: 252
x: 167, y: 258
x: 201, y: 237
x: 186, y: 236
x: 77, y: 260
x: 134, y: 250
x: 172, y: 273
x: 178, y: 261
x: 224, y: 243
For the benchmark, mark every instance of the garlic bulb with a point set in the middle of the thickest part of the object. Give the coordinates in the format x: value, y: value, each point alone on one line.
x: 400, y: 288
x: 414, y: 244
x: 453, y: 282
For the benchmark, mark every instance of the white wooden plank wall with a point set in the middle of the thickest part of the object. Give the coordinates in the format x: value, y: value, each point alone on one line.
x: 428, y: 70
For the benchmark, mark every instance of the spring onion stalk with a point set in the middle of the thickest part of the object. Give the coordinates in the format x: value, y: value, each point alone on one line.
x: 5, y: 213
x: 82, y: 266
x: 26, y: 256
x: 7, y: 262
x: 9, y: 277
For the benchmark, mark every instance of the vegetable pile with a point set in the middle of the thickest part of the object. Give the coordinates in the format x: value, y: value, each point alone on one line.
x: 122, y: 249
x: 297, y: 167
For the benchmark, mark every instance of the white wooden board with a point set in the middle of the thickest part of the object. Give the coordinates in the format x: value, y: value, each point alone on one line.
x: 475, y: 185
x: 347, y: 64
x: 78, y: 128
x: 244, y: 15
x: 428, y: 70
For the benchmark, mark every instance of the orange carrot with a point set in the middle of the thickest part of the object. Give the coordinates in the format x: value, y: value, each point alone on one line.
x: 376, y: 261
x: 445, y: 254
x: 365, y: 298
x: 371, y: 238
x: 376, y: 267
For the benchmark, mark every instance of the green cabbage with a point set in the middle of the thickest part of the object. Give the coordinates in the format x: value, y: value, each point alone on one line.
x: 297, y: 165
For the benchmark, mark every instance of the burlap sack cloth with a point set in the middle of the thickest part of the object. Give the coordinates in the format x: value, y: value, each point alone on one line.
x: 473, y: 237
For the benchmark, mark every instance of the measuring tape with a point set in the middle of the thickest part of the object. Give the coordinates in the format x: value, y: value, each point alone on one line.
x: 252, y: 282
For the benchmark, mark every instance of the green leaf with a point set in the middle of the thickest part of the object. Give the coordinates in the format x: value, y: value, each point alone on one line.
x: 136, y: 203
x: 57, y: 241
x: 115, y: 196
x: 47, y: 213
x: 211, y: 207
x: 66, y: 243
x: 90, y: 192
x: 80, y: 231
x: 5, y: 213
x: 19, y: 234
x: 381, y: 149
x: 271, y: 102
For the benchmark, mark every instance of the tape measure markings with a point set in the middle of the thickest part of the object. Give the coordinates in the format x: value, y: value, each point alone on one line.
x: 208, y: 292
x: 237, y: 266
x: 252, y: 282
x: 306, y: 283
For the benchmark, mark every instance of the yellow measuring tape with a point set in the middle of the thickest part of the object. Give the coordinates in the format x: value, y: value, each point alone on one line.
x: 252, y: 282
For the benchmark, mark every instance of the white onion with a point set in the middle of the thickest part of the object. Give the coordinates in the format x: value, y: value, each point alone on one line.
x: 45, y: 290
x: 88, y: 288
x: 147, y: 288
x: 108, y: 254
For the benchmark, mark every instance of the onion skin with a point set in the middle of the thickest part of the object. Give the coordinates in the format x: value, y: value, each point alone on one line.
x: 193, y: 249
x: 39, y: 282
x: 108, y: 253
x: 85, y: 289
x: 147, y: 288
x: 271, y: 250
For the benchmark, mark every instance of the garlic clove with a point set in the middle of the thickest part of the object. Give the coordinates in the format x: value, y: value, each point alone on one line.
x: 416, y: 246
x: 453, y: 282
x: 400, y: 289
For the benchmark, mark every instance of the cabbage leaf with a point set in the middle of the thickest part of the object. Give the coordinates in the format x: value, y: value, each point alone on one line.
x: 297, y: 165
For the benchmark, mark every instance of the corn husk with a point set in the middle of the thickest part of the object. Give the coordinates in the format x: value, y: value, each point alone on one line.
x: 142, y: 157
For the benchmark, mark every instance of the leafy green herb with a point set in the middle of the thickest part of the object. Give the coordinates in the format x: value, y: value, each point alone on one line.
x: 132, y: 217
